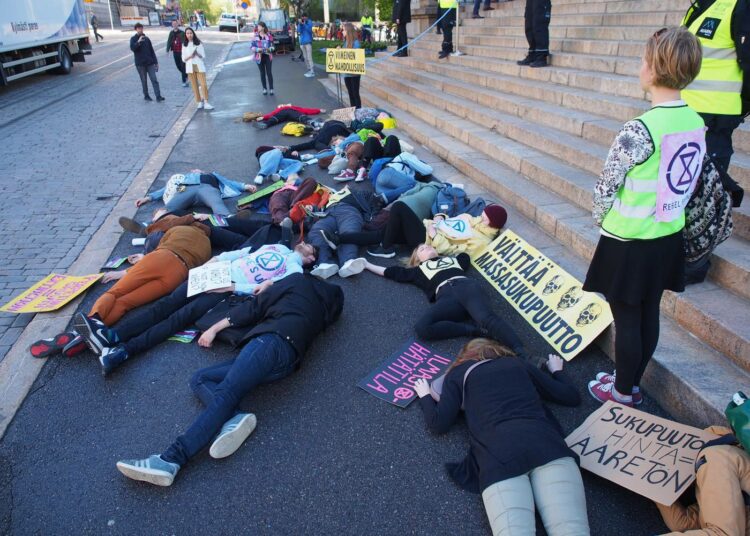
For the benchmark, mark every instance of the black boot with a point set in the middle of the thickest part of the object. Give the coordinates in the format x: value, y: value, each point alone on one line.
x: 527, y: 60
x: 540, y: 60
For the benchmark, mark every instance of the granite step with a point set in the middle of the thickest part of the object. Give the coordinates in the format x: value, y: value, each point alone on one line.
x: 657, y: 19
x: 504, y: 9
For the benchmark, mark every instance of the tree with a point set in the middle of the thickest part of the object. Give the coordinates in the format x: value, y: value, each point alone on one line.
x: 299, y: 7
x: 385, y: 9
x: 189, y: 6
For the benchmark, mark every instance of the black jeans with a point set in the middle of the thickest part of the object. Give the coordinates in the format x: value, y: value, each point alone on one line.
x: 459, y: 302
x: 97, y: 35
x: 265, y: 71
x: 149, y: 70
x: 352, y: 87
x: 477, y: 3
x: 373, y: 149
x: 447, y: 25
x: 165, y: 317
x: 401, y: 39
x: 403, y: 227
x: 342, y: 218
x: 180, y: 65
x: 636, y: 336
x: 265, y: 233
x: 719, y: 137
x: 283, y: 116
x: 537, y: 17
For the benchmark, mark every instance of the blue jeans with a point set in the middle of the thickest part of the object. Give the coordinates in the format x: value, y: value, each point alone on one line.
x: 274, y: 162
x: 199, y: 194
x: 392, y: 183
x: 264, y: 359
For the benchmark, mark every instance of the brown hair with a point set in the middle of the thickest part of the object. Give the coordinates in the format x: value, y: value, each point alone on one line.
x: 481, y: 349
x: 350, y: 34
x: 674, y: 55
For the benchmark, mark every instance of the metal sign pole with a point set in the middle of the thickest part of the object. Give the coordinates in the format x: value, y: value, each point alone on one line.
x: 236, y: 21
x: 111, y: 22
x: 458, y: 31
x: 338, y: 86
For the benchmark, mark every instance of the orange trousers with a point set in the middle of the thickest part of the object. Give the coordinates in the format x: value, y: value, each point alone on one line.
x: 156, y: 275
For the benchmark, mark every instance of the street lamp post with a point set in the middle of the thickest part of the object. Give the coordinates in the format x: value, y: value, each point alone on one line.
x: 111, y: 22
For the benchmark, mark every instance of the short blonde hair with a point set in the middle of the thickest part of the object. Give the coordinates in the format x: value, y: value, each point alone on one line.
x: 675, y: 56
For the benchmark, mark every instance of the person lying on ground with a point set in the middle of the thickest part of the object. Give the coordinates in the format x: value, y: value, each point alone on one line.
x: 284, y: 113
x: 184, y: 191
x: 252, y: 273
x: 462, y: 308
x: 399, y: 176
x: 517, y: 459
x: 273, y: 163
x: 282, y: 323
x: 321, y: 139
x: 722, y: 482
x: 153, y: 275
x: 346, y: 212
x: 465, y: 233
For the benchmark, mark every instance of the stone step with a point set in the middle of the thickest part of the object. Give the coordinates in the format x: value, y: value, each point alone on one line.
x: 504, y: 9
x: 577, y: 46
x: 689, y: 379
x: 526, y: 146
x: 657, y: 19
x: 727, y: 336
x: 629, y: 33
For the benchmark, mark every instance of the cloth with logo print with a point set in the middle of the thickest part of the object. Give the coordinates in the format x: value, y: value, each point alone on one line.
x: 461, y: 234
x: 251, y: 268
x: 428, y: 275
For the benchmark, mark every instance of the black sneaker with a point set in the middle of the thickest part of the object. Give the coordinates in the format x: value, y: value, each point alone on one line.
x: 147, y: 98
x: 380, y: 251
x: 527, y: 60
x: 94, y: 331
x: 129, y: 224
x: 540, y: 61
x: 443, y: 55
x: 160, y: 99
x: 332, y: 239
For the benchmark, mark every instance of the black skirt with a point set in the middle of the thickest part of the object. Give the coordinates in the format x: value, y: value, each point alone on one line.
x: 637, y: 270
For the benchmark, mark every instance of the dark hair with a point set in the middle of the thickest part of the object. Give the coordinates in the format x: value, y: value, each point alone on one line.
x: 196, y: 41
x: 137, y: 25
x: 263, y: 25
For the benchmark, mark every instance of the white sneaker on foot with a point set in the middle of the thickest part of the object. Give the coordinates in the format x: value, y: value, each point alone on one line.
x: 352, y: 267
x: 258, y: 179
x: 232, y: 435
x: 309, y: 74
x: 207, y: 106
x: 324, y: 270
x: 200, y: 105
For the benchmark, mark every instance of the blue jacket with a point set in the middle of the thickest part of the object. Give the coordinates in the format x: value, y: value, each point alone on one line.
x: 228, y: 187
x: 305, y: 32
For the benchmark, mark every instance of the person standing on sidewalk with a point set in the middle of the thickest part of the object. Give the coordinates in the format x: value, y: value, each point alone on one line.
x: 145, y: 61
x: 193, y: 55
x: 447, y: 24
x: 262, y: 47
x: 174, y: 45
x: 352, y: 80
x: 401, y: 16
x: 537, y: 17
x: 95, y: 27
x: 304, y: 30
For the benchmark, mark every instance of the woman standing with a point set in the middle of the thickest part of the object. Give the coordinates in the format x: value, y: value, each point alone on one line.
x: 352, y: 80
x: 262, y: 47
x: 193, y: 55
x: 517, y: 459
x: 639, y: 203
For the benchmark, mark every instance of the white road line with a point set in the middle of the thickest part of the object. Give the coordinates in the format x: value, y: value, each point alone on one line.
x: 115, y: 61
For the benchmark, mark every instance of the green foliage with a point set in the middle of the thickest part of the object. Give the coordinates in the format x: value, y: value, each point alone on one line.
x: 212, y: 11
x: 385, y: 9
x: 296, y: 7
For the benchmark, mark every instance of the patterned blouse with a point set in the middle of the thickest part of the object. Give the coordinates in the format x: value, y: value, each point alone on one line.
x: 262, y: 45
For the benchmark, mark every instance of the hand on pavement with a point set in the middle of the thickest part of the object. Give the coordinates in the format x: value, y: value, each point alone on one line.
x: 207, y: 339
x: 555, y: 363
x: 422, y: 388
x: 113, y: 276
x: 142, y: 201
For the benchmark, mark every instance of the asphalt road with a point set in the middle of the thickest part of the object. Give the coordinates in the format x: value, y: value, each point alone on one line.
x: 326, y: 458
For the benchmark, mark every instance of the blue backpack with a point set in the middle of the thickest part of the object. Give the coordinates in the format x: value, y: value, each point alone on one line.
x: 476, y: 207
x: 450, y: 200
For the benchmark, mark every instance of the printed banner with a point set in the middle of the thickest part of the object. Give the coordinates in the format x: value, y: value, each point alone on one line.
x: 345, y: 115
x: 345, y: 60
x: 268, y: 190
x: 50, y: 293
x: 651, y: 456
x: 209, y: 277
x: 546, y: 296
x: 393, y: 380
x: 186, y: 336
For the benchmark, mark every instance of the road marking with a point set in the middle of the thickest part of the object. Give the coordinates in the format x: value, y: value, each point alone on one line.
x: 115, y: 61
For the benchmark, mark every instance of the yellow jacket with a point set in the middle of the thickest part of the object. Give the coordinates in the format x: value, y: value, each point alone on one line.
x: 472, y: 240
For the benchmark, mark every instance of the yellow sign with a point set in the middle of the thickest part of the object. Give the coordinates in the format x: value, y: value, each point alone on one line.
x: 50, y: 293
x: 345, y: 60
x: 546, y: 296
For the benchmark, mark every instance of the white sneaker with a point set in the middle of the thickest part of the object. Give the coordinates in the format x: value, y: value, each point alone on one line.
x: 306, y: 157
x: 265, y: 92
x: 258, y: 179
x: 309, y: 74
x: 324, y: 270
x: 232, y: 435
x: 270, y: 91
x: 311, y: 161
x: 207, y: 106
x: 352, y: 267
x: 361, y: 174
x: 200, y: 105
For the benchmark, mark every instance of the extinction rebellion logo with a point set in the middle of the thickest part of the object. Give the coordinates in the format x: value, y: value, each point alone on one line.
x: 270, y: 261
x: 684, y: 168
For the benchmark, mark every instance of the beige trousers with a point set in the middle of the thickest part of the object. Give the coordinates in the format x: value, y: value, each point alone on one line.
x: 196, y: 80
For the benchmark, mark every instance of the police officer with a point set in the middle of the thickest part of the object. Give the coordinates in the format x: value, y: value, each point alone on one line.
x: 401, y: 16
x: 366, y: 22
x: 536, y: 19
x: 447, y: 24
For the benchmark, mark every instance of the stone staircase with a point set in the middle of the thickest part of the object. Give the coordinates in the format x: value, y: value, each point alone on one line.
x: 537, y: 140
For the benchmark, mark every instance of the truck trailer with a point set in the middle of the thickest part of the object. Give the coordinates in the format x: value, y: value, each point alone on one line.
x: 41, y: 35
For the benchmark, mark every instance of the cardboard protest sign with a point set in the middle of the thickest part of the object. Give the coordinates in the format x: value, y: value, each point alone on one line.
x: 345, y: 60
x: 393, y: 380
x: 345, y: 115
x: 268, y: 190
x: 651, y: 456
x: 185, y: 336
x: 50, y: 293
x: 209, y: 277
x: 546, y: 296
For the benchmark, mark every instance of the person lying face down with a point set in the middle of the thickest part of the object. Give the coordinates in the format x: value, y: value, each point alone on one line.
x: 252, y: 272
x: 281, y: 324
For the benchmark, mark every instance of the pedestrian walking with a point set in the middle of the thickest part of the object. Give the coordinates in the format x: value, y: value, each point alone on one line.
x: 145, y: 61
x: 639, y: 203
x: 193, y: 55
x: 447, y: 24
x: 174, y: 45
x: 304, y: 30
x: 401, y: 16
x: 262, y: 47
x: 95, y: 27
x: 536, y: 20
x: 352, y: 80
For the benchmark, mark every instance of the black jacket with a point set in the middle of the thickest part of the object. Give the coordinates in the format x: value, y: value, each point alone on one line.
x: 434, y: 272
x: 170, y: 38
x: 401, y: 11
x: 297, y: 308
x: 143, y: 52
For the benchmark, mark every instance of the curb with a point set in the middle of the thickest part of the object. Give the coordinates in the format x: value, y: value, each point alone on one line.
x: 19, y: 369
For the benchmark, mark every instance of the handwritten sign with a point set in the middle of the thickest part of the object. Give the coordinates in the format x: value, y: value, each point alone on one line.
x: 393, y: 380
x: 115, y: 263
x: 185, y: 336
x: 546, y: 296
x: 209, y: 277
x: 50, y: 293
x: 651, y: 456
x: 345, y: 60
x: 345, y: 115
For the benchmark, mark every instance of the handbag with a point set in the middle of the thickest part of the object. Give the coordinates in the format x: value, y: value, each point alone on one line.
x: 436, y: 387
x: 738, y: 415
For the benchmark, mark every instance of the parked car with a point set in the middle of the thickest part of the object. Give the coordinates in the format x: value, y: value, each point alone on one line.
x: 278, y: 24
x: 230, y: 22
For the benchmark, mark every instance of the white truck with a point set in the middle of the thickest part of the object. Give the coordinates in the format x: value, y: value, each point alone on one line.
x: 41, y: 35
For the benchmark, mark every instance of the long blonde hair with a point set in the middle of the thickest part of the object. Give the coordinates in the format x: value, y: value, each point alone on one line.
x: 480, y: 350
x: 350, y: 34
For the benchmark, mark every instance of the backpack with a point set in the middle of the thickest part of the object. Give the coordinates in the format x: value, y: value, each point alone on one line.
x: 296, y: 129
x: 451, y: 201
x: 315, y: 202
x: 476, y: 207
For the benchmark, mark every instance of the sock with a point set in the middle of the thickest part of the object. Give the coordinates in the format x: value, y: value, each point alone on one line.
x: 620, y: 397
